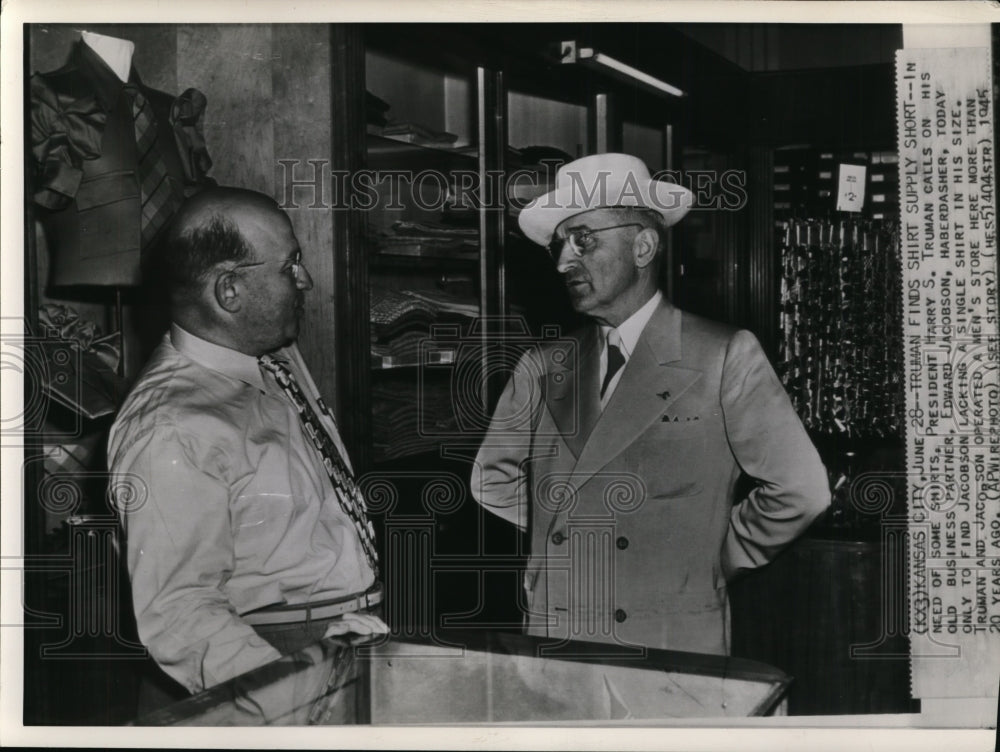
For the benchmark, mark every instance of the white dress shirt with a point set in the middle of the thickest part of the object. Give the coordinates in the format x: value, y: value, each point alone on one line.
x: 234, y: 510
x: 629, y: 330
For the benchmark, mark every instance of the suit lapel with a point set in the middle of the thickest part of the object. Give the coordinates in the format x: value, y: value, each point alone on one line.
x: 650, y: 383
x: 571, y: 392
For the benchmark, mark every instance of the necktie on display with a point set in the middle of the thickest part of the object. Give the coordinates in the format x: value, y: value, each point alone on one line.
x: 615, y: 359
x: 160, y: 196
x: 348, y: 493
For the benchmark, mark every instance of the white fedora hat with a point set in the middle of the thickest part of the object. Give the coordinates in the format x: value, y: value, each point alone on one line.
x: 599, y: 181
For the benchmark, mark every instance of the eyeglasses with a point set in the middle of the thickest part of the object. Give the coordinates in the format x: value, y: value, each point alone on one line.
x: 293, y: 266
x: 581, y: 241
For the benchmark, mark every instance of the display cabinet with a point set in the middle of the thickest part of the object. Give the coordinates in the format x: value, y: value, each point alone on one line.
x: 435, y: 248
x: 479, y: 678
x: 462, y: 127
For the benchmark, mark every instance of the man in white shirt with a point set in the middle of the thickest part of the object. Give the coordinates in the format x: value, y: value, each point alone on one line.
x: 245, y: 532
x: 621, y: 458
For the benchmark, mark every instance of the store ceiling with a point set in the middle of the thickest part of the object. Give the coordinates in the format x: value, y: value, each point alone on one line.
x: 758, y: 47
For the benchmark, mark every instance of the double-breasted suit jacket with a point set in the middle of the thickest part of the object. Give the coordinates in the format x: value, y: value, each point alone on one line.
x: 633, y: 525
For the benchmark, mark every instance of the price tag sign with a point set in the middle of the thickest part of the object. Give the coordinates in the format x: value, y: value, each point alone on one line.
x: 851, y: 188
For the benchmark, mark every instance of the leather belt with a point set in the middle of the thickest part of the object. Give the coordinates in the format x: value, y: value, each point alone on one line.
x: 315, y: 611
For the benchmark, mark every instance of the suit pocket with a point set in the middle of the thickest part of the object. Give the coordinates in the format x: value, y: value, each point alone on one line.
x: 670, y: 459
x: 678, y: 428
x: 681, y: 490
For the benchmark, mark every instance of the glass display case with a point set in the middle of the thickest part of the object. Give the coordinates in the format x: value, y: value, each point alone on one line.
x: 480, y: 678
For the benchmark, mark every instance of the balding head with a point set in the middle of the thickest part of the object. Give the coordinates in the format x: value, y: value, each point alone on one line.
x: 235, y: 204
x: 210, y: 228
x: 233, y: 268
x: 213, y: 227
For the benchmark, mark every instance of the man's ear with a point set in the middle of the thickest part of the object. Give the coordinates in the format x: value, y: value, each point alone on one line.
x: 227, y: 292
x: 645, y: 247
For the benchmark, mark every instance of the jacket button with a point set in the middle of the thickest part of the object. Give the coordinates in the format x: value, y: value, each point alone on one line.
x: 620, y: 615
x: 622, y: 543
x: 558, y: 538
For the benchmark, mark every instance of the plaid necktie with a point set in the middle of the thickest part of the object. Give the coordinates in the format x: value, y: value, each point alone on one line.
x: 160, y: 196
x: 348, y: 493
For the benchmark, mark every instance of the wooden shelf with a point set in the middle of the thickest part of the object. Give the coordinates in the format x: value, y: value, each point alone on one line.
x: 392, y: 154
x: 387, y: 261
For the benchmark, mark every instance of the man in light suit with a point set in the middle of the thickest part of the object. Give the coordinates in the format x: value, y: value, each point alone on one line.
x: 621, y: 454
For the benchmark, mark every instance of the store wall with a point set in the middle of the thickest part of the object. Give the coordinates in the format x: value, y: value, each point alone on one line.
x: 268, y: 91
x: 535, y: 121
x: 646, y: 143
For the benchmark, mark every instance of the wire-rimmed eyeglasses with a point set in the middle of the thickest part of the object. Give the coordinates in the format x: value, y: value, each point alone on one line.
x: 581, y: 241
x: 293, y: 266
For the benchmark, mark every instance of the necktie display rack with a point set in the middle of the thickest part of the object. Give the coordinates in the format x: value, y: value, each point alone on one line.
x: 841, y: 355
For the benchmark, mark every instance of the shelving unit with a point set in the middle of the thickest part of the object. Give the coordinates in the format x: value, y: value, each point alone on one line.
x: 504, y: 98
x: 433, y: 252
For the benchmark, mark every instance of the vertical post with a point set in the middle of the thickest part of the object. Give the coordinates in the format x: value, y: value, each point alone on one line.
x: 762, y: 264
x: 350, y: 288
x: 34, y: 517
x: 604, y: 133
x: 36, y: 692
x: 731, y: 230
x: 492, y: 127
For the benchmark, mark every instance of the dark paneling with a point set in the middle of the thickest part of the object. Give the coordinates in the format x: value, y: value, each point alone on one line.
x: 761, y: 271
x: 786, y: 46
x: 850, y: 108
x: 351, y: 330
x: 817, y: 613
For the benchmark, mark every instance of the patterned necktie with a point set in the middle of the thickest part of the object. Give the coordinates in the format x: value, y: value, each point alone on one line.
x: 615, y: 359
x: 160, y: 196
x: 348, y: 493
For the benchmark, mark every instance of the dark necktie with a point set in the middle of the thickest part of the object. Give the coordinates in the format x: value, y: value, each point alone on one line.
x: 615, y: 359
x: 160, y: 196
x: 348, y: 493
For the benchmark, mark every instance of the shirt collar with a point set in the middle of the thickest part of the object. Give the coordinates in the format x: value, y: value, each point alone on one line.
x: 231, y: 363
x: 631, y: 328
x: 107, y: 86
